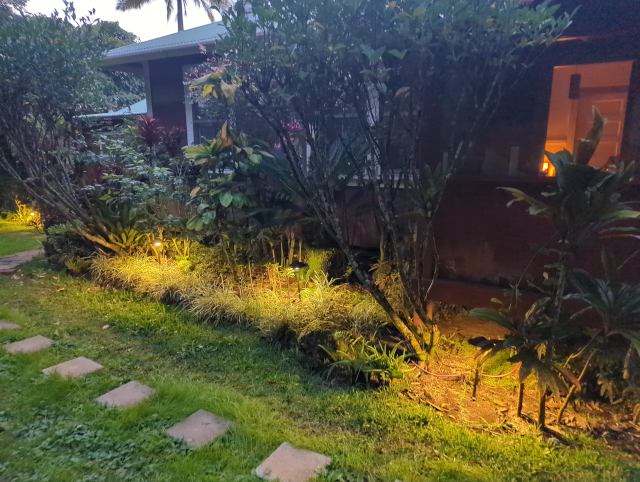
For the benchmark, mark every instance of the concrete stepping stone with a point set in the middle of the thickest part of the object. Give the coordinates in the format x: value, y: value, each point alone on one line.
x: 290, y: 464
x: 126, y: 395
x: 74, y: 368
x: 200, y: 428
x: 29, y: 345
x: 6, y: 325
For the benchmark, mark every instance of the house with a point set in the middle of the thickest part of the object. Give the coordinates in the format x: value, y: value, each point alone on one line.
x: 483, y: 246
x: 163, y: 62
x: 133, y: 110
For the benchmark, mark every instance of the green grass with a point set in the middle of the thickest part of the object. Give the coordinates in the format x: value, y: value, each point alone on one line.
x: 51, y: 429
x: 15, y: 238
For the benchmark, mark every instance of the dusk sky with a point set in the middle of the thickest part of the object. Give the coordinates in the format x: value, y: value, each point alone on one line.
x: 147, y: 23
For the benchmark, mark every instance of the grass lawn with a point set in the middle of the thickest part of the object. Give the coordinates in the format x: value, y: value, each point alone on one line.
x: 51, y: 429
x: 15, y: 238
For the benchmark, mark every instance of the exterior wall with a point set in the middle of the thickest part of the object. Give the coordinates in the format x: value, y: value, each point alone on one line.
x: 167, y: 89
x: 485, y: 246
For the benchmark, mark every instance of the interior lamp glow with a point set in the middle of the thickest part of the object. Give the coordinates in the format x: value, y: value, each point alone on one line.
x: 547, y: 168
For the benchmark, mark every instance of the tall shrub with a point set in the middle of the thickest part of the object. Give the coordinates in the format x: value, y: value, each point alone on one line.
x: 395, y: 73
x: 47, y: 76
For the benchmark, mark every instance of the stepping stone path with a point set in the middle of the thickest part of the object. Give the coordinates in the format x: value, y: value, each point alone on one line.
x: 8, y: 264
x: 286, y: 464
x: 29, y: 345
x: 290, y: 464
x: 74, y: 368
x: 200, y: 428
x: 126, y: 395
x: 5, y: 325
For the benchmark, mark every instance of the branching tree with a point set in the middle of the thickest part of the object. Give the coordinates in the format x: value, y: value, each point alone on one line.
x: 47, y: 64
x: 415, y: 79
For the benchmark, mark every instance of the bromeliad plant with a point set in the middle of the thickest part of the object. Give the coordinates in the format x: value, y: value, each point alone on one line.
x: 616, y: 303
x: 585, y: 203
x: 120, y: 225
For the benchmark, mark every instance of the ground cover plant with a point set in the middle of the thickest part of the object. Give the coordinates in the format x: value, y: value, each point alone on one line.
x: 51, y: 429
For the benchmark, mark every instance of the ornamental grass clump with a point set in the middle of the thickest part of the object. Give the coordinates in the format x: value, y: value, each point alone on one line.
x: 256, y: 296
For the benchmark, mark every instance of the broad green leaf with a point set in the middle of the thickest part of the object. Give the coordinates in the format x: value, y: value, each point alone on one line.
x: 226, y: 199
x: 419, y: 12
x: 209, y: 217
x: 397, y: 53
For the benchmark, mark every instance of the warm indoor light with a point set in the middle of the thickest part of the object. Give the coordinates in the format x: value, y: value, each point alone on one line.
x: 547, y: 168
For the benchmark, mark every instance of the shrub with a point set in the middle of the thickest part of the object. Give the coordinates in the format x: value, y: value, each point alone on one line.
x: 24, y: 215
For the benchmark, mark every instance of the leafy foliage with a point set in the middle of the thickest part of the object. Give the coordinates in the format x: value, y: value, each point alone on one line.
x: 585, y: 203
x: 24, y: 215
x: 616, y: 302
x: 395, y: 72
x: 362, y: 358
x: 37, y: 117
x: 228, y: 164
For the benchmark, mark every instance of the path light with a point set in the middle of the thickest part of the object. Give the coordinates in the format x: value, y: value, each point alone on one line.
x: 158, y: 248
x: 32, y: 214
x: 296, y: 266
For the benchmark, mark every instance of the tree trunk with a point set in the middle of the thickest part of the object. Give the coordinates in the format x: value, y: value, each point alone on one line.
x: 520, y: 399
x: 475, y: 383
x: 542, y: 409
x: 180, y: 16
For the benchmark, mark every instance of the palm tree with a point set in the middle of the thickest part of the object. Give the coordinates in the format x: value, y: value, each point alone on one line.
x: 208, y: 5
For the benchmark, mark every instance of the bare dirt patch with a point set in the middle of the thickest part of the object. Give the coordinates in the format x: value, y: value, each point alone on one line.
x: 495, y: 406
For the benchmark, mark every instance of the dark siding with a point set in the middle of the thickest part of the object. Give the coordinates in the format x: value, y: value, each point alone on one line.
x: 167, y: 89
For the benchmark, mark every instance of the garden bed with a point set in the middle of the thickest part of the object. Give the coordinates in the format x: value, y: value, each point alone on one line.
x: 265, y: 389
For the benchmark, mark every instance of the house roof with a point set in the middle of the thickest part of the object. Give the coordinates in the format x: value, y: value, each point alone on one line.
x: 177, y: 44
x: 139, y: 108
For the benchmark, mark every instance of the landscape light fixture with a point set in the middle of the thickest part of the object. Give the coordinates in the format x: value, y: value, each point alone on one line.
x: 158, y: 243
x: 297, y: 266
x: 32, y: 214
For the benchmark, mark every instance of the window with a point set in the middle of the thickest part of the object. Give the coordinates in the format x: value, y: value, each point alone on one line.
x: 575, y: 91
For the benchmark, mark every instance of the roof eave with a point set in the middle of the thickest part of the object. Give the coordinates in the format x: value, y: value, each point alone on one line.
x: 154, y: 54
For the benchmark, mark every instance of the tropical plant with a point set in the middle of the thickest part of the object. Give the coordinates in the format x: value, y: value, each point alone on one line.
x: 396, y: 73
x: 227, y: 165
x: 25, y: 215
x: 584, y: 204
x: 616, y: 303
x: 77, y: 264
x: 120, y: 223
x: 359, y: 357
x: 209, y: 7
x: 16, y: 4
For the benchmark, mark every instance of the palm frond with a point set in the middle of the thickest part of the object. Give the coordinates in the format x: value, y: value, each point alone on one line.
x: 124, y: 5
